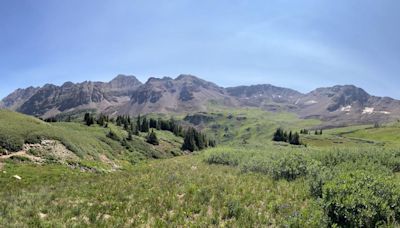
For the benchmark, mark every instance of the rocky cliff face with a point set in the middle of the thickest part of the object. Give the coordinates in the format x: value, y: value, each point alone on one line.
x: 344, y: 104
x: 18, y: 97
x: 50, y: 99
x: 122, y: 85
x: 186, y: 93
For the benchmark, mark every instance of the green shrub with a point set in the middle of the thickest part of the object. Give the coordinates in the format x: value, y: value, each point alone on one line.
x: 332, y: 158
x: 112, y: 135
x: 2, y: 151
x: 222, y: 158
x: 33, y: 139
x: 361, y: 199
x: 258, y: 165
x: 20, y: 159
x: 11, y: 143
x: 289, y: 166
x: 35, y: 152
x: 317, y: 176
x: 176, y: 152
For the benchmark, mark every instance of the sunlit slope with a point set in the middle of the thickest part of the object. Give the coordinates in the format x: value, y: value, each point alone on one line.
x: 250, y: 126
x: 87, y: 143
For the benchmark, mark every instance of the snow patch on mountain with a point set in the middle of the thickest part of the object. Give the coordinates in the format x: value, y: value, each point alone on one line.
x: 310, y: 102
x: 346, y: 109
x: 368, y: 110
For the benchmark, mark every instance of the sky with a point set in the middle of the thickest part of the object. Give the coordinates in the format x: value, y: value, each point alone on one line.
x: 302, y: 44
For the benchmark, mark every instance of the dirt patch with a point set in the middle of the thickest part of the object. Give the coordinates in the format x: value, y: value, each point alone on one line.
x: 46, y: 150
x: 21, y: 154
x: 50, y: 149
x: 106, y: 160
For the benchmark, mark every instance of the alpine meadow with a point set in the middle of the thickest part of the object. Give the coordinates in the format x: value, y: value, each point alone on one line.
x: 290, y: 116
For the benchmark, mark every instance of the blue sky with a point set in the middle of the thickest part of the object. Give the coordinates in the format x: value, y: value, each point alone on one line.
x: 300, y: 44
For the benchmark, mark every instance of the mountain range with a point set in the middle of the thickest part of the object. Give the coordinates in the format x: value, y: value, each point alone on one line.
x: 336, y: 106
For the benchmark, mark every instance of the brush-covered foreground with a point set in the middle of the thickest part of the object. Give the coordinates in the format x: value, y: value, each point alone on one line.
x: 353, y: 187
x: 221, y: 187
x: 182, y: 191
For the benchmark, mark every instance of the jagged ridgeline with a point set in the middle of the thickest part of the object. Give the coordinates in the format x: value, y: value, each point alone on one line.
x: 126, y: 95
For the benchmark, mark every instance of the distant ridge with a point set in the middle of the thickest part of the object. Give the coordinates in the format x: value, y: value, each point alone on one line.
x: 337, y: 105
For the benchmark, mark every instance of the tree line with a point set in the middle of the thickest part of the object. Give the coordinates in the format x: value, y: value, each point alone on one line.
x: 308, y: 132
x: 283, y: 136
x: 194, y: 140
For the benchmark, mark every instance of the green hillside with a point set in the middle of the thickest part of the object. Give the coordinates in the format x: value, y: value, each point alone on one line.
x: 252, y: 126
x: 346, y: 177
x: 90, y: 144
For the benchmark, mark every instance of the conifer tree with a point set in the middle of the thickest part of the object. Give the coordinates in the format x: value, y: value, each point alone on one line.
x: 152, y: 138
x: 158, y: 125
x: 199, y: 140
x: 139, y: 123
x: 176, y: 130
x: 87, y: 116
x: 295, y: 139
x: 89, y: 120
x: 126, y: 126
x: 278, y: 135
x: 136, y: 131
x: 153, y: 123
x: 285, y: 137
x: 189, y: 143
x: 129, y: 138
x: 211, y: 143
x: 145, y: 125
x: 102, y: 119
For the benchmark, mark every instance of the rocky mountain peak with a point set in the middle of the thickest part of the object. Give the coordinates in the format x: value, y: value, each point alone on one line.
x: 186, y: 77
x: 18, y: 97
x: 68, y: 84
x: 125, y: 81
x: 154, y: 80
x: 342, y: 96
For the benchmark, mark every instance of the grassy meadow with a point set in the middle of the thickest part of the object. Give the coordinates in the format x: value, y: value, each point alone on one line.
x: 346, y: 177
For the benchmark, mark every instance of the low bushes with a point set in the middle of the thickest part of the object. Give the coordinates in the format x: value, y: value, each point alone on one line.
x: 355, y: 188
x: 361, y: 199
x: 11, y: 143
x: 33, y: 139
x: 332, y: 158
x: 289, y: 166
x: 222, y: 159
